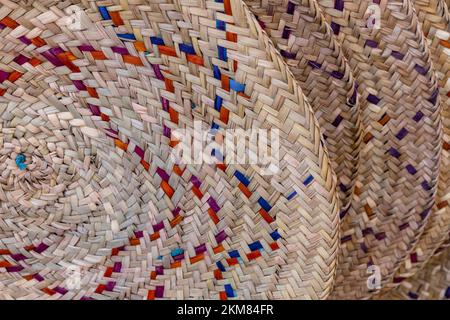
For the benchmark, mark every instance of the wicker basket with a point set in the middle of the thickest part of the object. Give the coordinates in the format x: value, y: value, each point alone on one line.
x: 93, y: 205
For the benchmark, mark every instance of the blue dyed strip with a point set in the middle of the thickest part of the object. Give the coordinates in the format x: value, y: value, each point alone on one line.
x: 229, y: 290
x: 216, y: 72
x: 220, y: 266
x: 264, y: 204
x: 275, y: 235
x: 308, y: 180
x: 220, y: 25
x: 218, y: 103
x: 215, y: 126
x: 127, y: 36
x: 187, y: 48
x: 237, y: 86
x: 234, y: 254
x: 241, y: 178
x: 222, y: 53
x: 255, y: 246
x: 157, y: 41
x: 292, y: 195
x: 20, y: 162
x: 176, y: 252
x: 104, y: 13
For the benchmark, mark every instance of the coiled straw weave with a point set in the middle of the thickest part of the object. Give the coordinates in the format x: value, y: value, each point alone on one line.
x: 93, y: 110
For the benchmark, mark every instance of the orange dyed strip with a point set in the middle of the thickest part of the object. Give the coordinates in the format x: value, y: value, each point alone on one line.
x: 235, y: 66
x: 253, y: 255
x: 223, y: 295
x: 221, y: 166
x: 227, y: 7
x: 5, y: 264
x: 98, y: 55
x: 225, y: 82
x: 197, y: 192
x: 151, y: 295
x: 115, y: 17
x: 195, y: 59
x: 38, y: 41
x: 145, y: 164
x: 231, y: 36
x: 224, y: 115
x: 197, y: 258
x: 169, y: 85
x: 7, y: 21
x: 153, y: 275
x: 174, y: 115
x: 13, y: 76
x: 213, y: 216
x: 49, y: 291
x: 445, y: 43
x: 132, y: 60
x: 218, y: 249
x: 178, y: 170
x: 92, y: 92
x: 108, y: 272
x: 100, y: 288
x: 232, y: 261
x: 218, y: 274
x: 5, y: 251
x: 176, y: 221
x: 154, y: 236
x: 167, y: 51
x: 114, y: 251
x: 29, y: 248
x: 173, y: 143
x: 29, y: 277
x: 34, y: 62
x: 175, y: 264
x: 120, y: 144
x: 2, y: 92
x: 244, y: 190
x: 134, y: 242
x: 104, y: 117
x: 265, y: 215
x: 167, y: 189
x: 274, y: 246
x: 140, y: 46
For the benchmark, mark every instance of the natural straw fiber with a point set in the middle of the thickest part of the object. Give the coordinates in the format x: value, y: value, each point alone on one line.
x: 435, y: 21
x: 401, y: 147
x: 306, y: 41
x: 92, y: 113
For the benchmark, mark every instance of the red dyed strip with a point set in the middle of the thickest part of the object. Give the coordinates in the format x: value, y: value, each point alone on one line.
x: 265, y: 215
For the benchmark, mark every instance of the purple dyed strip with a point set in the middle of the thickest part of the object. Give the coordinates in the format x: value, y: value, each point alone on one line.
x: 158, y: 226
x: 337, y: 74
x: 117, y: 266
x: 393, y: 152
x: 79, y: 85
x: 41, y: 248
x: 157, y: 71
x: 346, y: 238
x: 165, y: 104
x: 18, y: 257
x: 200, y: 249
x: 38, y: 277
x: 314, y: 64
x: 86, y: 298
x: 3, y: 75
x: 367, y: 231
x: 371, y: 43
x: 139, y: 152
x: 397, y: 55
x: 339, y: 5
x: 2, y: 26
x: 286, y: 33
x: 287, y: 54
x: 139, y: 234
x: 380, y: 236
x: 166, y: 131
x: 86, y: 47
x: 424, y: 214
x: 60, y: 290
x: 363, y: 247
x: 55, y: 51
x: 159, y: 291
x: 21, y: 59
x: 411, y: 169
x: 25, y: 40
x: 420, y: 69
x: 336, y: 28
x: 373, y: 99
x: 110, y: 286
x: 195, y: 181
x: 176, y: 211
x: 418, y: 116
x: 213, y: 204
x: 402, y: 133
x: 403, y: 226
x: 178, y: 257
x: 159, y: 270
x: 163, y: 174
x: 53, y: 60
x: 14, y: 269
x: 94, y: 109
x: 221, y: 236
x: 433, y: 97
x: 120, y: 50
x: 290, y: 8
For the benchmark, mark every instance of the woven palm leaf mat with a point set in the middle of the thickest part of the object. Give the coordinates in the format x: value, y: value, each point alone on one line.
x: 306, y: 41
x: 89, y: 189
x: 401, y: 149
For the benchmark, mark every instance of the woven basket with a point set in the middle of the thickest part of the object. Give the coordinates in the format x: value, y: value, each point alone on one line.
x: 306, y: 41
x: 401, y: 147
x: 90, y: 113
